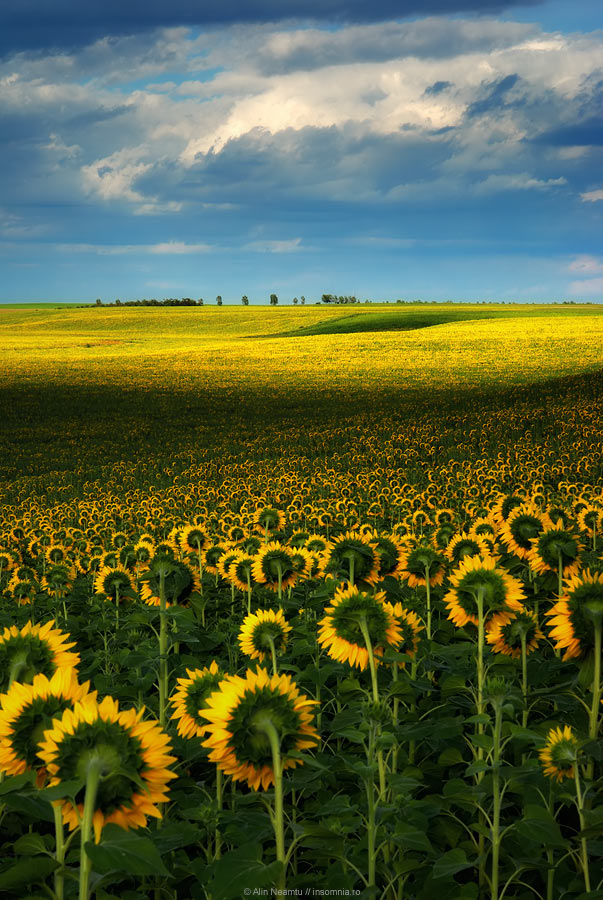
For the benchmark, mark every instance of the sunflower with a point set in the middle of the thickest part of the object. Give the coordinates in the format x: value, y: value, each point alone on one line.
x: 32, y: 650
x: 341, y: 630
x: 180, y: 582
x: 573, y: 615
x: 113, y: 582
x: 506, y: 636
x: 391, y: 552
x: 261, y: 631
x: 521, y: 527
x: 133, y: 756
x: 273, y: 567
x: 560, y: 754
x: 502, y: 593
x: 443, y: 535
x: 410, y: 627
x: 240, y: 570
x: 351, y: 557
x: 462, y: 545
x: 267, y: 519
x: 553, y: 546
x: 59, y: 579
x: 419, y: 561
x: 28, y: 709
x: 191, y: 696
x: 237, y: 711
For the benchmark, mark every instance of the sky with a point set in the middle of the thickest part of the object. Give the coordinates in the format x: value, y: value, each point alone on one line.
x: 398, y: 149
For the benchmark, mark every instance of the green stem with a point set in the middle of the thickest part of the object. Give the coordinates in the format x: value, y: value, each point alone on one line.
x: 524, y: 680
x: 116, y: 608
x: 371, y: 823
x: 163, y: 638
x: 428, y: 590
x: 375, y: 685
x: 480, y: 711
x: 593, y: 726
x: 59, y: 852
x: 496, y: 801
x: 219, y: 805
x: 272, y: 653
x: 559, y: 572
x: 265, y: 724
x: 583, y: 845
x: 92, y: 782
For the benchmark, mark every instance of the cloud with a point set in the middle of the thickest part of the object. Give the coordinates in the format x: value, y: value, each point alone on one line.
x: 32, y: 24
x: 589, y: 287
x: 172, y: 248
x: 290, y: 246
x: 586, y: 265
x: 592, y: 196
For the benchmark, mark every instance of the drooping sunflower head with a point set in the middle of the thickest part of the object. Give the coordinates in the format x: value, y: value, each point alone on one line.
x: 180, y: 581
x: 420, y: 563
x: 27, y: 710
x: 191, y: 696
x: 575, y: 614
x: 261, y: 631
x: 560, y: 754
x: 443, y: 535
x: 273, y: 566
x: 463, y: 545
x: 32, y: 650
x: 391, y: 553
x: 193, y: 539
x: 524, y: 524
x: 351, y: 557
x: 479, y: 579
x: 240, y: 714
x: 410, y: 628
x: 555, y: 546
x: 58, y: 579
x: 131, y: 754
x: 268, y: 518
x: 113, y: 582
x: 342, y: 631
x: 507, y: 635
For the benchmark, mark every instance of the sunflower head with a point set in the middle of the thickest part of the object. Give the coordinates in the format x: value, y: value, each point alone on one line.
x: 27, y: 710
x: 261, y: 631
x: 420, y: 563
x: 132, y: 756
x: 555, y: 546
x: 273, y: 566
x: 240, y: 715
x: 576, y: 614
x: 507, y: 634
x: 113, y: 582
x: 32, y: 650
x: 560, y: 754
x: 480, y: 577
x: 191, y: 696
x: 410, y: 629
x: 341, y: 631
x: 351, y: 557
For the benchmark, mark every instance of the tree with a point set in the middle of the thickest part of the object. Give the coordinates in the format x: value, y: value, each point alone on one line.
x: 273, y: 300
x: 303, y: 300
x: 245, y: 300
x: 295, y: 301
x: 200, y: 301
x: 219, y: 300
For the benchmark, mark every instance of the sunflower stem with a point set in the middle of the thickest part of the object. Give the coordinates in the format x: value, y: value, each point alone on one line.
x: 593, y: 728
x: 163, y: 636
x: 272, y: 653
x: 583, y: 845
x: 559, y: 573
x: 496, y: 800
x: 59, y: 851
x: 428, y: 590
x: 524, y: 679
x: 480, y: 726
x: 219, y: 806
x: 371, y: 829
x: 265, y: 724
x: 375, y: 685
x: 92, y: 781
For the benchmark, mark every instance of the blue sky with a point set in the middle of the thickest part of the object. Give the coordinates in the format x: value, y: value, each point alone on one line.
x: 417, y: 149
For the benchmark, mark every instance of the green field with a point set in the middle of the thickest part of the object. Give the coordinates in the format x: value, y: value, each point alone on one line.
x: 393, y: 511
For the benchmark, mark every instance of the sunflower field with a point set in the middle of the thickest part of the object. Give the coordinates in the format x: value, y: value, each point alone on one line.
x: 298, y: 603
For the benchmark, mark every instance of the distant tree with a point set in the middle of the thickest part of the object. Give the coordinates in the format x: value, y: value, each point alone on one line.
x: 118, y: 302
x: 245, y: 300
x: 99, y: 302
x: 200, y: 301
x: 303, y: 300
x: 219, y: 300
x: 273, y: 300
x: 295, y: 301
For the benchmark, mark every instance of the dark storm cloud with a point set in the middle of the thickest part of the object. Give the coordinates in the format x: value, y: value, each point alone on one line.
x: 38, y: 24
x: 495, y: 96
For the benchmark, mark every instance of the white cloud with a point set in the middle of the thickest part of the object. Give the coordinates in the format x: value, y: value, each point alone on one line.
x: 592, y: 196
x: 586, y: 265
x: 290, y: 246
x: 178, y: 248
x: 516, y: 182
x: 589, y: 287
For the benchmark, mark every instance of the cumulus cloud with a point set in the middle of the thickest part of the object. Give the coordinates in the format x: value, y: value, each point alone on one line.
x: 592, y: 196
x: 586, y: 265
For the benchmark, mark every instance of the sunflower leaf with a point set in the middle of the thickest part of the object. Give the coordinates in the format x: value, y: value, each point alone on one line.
x: 125, y: 851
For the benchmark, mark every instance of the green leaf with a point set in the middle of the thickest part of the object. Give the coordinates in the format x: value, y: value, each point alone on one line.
x: 450, y: 863
x: 125, y: 851
x: 452, y: 756
x: 62, y: 790
x: 16, y: 782
x: 30, y: 845
x: 242, y: 869
x: 538, y: 825
x: 24, y: 873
